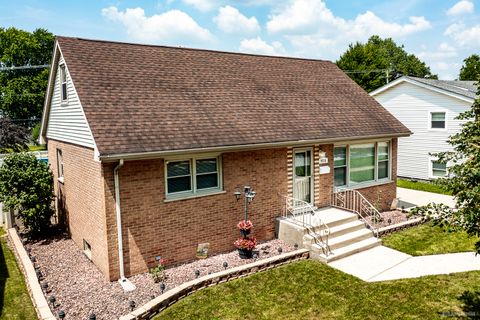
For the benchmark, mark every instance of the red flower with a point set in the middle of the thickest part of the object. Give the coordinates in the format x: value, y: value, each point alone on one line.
x: 245, y: 225
x: 246, y: 243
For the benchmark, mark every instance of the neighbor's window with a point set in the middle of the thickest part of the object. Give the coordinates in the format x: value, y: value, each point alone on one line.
x: 438, y: 120
x: 361, y: 163
x: 63, y: 80
x: 439, y: 169
x: 60, y: 164
x: 193, y: 176
x: 340, y: 166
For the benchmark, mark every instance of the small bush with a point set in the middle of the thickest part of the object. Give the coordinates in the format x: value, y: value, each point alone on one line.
x: 26, y: 184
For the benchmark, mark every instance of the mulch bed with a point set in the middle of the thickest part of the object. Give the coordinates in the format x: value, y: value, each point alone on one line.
x: 80, y: 289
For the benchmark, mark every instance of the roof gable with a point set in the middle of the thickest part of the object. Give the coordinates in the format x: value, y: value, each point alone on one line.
x: 462, y: 90
x: 66, y: 120
x: 140, y: 98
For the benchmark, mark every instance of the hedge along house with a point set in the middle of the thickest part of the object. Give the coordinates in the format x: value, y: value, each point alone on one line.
x: 149, y: 143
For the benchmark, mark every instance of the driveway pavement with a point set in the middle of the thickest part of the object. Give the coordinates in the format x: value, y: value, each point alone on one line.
x: 382, y: 263
x: 420, y: 198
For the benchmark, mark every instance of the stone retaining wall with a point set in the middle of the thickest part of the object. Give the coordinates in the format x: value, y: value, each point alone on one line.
x: 148, y: 310
x: 28, y: 270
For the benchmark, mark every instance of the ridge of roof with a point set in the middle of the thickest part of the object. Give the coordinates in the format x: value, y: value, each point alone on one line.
x: 193, y: 49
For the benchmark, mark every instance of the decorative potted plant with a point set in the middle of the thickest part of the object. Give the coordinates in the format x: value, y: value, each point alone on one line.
x: 245, y: 247
x: 245, y: 226
x: 245, y: 244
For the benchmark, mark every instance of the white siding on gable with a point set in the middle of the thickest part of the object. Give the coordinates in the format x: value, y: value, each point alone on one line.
x: 66, y: 121
x: 412, y: 105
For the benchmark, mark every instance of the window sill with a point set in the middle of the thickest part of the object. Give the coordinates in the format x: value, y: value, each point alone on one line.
x: 61, y: 180
x: 366, y: 184
x: 192, y: 196
x: 437, y: 129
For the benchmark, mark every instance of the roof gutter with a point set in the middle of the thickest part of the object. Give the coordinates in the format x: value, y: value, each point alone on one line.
x: 126, y: 284
x: 159, y: 154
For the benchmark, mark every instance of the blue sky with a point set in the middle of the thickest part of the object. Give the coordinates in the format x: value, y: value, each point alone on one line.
x: 440, y: 32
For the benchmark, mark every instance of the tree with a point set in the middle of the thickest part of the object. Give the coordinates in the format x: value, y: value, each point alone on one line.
x: 26, y: 184
x: 464, y: 177
x: 471, y: 68
x: 13, y: 137
x: 22, y: 91
x: 370, y: 62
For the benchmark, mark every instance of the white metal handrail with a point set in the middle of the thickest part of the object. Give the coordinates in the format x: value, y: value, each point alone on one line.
x: 353, y: 200
x: 302, y: 212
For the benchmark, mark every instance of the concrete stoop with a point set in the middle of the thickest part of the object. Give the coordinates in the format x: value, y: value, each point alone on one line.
x: 347, y: 234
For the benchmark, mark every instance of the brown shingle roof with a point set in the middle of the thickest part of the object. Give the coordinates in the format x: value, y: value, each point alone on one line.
x: 142, y: 98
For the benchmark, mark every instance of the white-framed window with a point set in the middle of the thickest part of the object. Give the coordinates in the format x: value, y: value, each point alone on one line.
x: 438, y: 120
x: 192, y: 176
x: 364, y: 163
x: 63, y: 81
x: 60, y: 165
x: 439, y: 170
x: 340, y: 165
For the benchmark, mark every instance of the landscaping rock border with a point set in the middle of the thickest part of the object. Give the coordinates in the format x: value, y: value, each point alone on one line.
x: 35, y: 291
x: 400, y: 226
x: 158, y: 304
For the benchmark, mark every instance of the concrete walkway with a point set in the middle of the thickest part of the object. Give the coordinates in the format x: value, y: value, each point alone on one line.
x: 382, y: 263
x: 421, y: 198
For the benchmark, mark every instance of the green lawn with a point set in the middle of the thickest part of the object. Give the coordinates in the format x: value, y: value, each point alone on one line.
x: 311, y: 290
x: 428, y: 239
x: 422, y: 186
x: 15, y: 302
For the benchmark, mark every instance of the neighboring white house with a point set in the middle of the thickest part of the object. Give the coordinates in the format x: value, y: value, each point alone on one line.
x: 428, y: 108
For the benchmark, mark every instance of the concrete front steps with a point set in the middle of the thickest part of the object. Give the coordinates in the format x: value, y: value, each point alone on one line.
x: 347, y: 234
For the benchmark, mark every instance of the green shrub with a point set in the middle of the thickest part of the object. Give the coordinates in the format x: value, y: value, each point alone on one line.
x: 26, y: 184
x: 36, y: 133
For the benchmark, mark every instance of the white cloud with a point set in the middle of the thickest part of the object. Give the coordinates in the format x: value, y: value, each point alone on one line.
x: 170, y: 27
x: 463, y: 35
x: 230, y: 20
x: 461, y: 7
x: 202, y: 5
x: 313, y: 16
x: 258, y: 46
x: 444, y: 50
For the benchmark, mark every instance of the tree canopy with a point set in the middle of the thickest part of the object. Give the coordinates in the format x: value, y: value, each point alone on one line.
x: 464, y: 176
x: 369, y: 62
x: 471, y: 68
x: 22, y: 91
x: 13, y: 137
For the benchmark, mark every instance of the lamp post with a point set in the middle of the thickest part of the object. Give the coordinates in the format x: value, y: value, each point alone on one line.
x: 249, y: 194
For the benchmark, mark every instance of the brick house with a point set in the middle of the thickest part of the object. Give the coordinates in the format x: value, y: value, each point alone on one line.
x: 149, y: 143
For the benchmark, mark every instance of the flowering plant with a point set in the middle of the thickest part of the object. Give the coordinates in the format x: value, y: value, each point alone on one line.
x: 158, y: 272
x: 245, y: 225
x: 246, y: 243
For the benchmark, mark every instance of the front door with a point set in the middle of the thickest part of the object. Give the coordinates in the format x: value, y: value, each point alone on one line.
x: 302, y: 175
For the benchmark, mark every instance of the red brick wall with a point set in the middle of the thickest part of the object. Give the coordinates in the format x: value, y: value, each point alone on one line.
x: 80, y: 198
x: 380, y: 196
x: 173, y: 229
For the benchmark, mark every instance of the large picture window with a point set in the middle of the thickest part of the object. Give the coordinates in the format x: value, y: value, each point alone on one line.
x: 192, y: 176
x: 361, y: 163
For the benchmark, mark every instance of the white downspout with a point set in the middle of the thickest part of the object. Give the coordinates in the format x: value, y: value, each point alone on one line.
x: 123, y: 281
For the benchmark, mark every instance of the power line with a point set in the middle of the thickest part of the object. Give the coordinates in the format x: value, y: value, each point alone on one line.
x: 41, y: 66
